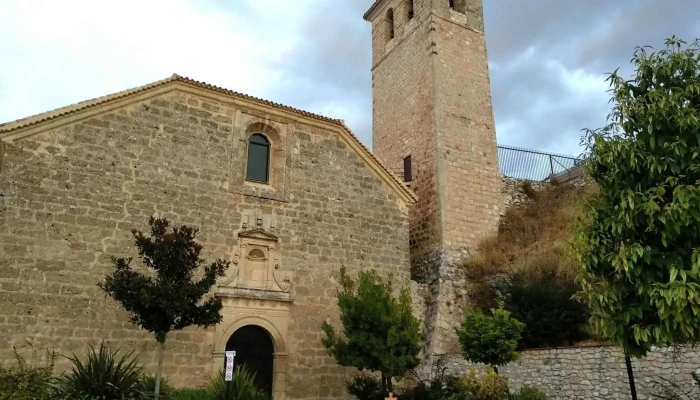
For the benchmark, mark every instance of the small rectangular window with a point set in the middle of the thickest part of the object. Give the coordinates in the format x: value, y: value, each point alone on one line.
x: 407, y: 169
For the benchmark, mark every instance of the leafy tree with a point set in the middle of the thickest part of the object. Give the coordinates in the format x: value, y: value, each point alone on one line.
x: 168, y: 300
x: 491, y: 340
x: 639, y: 244
x: 380, y: 331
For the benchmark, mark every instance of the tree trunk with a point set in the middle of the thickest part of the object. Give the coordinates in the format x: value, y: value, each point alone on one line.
x: 161, y: 355
x: 630, y: 375
x: 383, y: 383
x: 389, y: 384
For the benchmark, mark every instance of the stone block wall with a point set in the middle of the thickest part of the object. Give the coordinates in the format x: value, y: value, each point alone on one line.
x: 598, y: 372
x: 402, y: 79
x: 70, y: 196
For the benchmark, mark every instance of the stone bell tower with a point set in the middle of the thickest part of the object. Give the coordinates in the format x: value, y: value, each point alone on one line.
x: 433, y: 119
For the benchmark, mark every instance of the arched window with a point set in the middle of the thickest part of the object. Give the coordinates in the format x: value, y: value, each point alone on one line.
x: 411, y: 13
x: 390, y: 22
x: 258, y: 158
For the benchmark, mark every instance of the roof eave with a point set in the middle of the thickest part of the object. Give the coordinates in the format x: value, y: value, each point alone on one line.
x: 374, y: 7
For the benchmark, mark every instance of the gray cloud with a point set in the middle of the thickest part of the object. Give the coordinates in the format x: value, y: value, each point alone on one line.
x: 548, y: 58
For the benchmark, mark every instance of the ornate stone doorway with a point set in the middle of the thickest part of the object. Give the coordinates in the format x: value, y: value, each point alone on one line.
x: 255, y: 350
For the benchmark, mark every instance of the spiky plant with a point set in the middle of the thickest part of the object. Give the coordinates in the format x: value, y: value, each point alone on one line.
x: 241, y: 387
x: 104, y: 375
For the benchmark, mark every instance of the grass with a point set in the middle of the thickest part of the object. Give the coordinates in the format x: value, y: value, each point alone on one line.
x: 533, y: 240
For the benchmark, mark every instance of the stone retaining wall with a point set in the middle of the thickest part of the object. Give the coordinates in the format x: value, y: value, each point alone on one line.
x: 592, y: 372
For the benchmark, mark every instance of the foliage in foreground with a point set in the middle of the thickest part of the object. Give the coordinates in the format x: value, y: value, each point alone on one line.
x: 639, y: 242
x: 27, y: 380
x: 241, y: 387
x: 490, y: 386
x: 103, y: 375
x: 193, y: 394
x: 546, y: 306
x: 380, y: 332
x: 491, y: 340
x: 170, y: 300
x: 365, y: 387
x: 529, y: 393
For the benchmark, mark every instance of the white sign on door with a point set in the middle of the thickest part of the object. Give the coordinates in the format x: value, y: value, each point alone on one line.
x: 229, y: 365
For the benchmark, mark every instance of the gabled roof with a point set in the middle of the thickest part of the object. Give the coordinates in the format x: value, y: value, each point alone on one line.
x: 20, y: 128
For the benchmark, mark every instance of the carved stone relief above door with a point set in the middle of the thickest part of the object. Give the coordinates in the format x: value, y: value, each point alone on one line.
x: 257, y: 267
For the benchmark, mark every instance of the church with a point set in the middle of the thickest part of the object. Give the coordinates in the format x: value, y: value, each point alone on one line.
x: 287, y: 196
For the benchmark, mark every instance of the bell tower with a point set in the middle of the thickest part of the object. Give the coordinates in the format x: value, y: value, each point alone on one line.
x: 433, y: 120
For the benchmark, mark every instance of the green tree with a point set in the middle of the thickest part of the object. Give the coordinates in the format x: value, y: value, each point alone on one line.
x: 167, y: 300
x: 639, y: 242
x: 491, y: 340
x: 380, y: 332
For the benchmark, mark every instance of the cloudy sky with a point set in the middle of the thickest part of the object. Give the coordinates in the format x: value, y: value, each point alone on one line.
x: 548, y: 58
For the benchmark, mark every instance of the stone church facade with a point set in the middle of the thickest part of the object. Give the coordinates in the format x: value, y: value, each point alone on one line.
x: 75, y: 181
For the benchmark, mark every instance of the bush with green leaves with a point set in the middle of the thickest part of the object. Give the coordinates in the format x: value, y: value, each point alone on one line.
x: 529, y: 393
x: 193, y: 394
x: 148, y: 384
x: 241, y: 387
x: 365, y: 387
x: 491, y: 340
x: 489, y: 386
x: 27, y: 380
x: 545, y: 305
x: 103, y: 375
x: 380, y: 332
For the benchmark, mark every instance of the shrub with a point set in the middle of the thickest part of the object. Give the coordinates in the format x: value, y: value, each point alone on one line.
x: 27, y: 381
x: 490, y: 386
x: 103, y: 376
x: 365, y: 387
x: 551, y: 317
x: 529, y: 393
x: 148, y: 386
x: 193, y: 394
x: 242, y: 386
x: 490, y: 340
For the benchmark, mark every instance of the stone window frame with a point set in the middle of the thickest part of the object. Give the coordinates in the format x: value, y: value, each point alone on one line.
x: 269, y: 157
x: 247, y: 123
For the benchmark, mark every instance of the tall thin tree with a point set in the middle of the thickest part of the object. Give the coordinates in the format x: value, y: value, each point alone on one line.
x: 166, y: 299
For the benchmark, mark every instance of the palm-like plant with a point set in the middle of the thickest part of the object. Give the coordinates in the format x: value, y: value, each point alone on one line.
x: 103, y: 376
x: 241, y: 387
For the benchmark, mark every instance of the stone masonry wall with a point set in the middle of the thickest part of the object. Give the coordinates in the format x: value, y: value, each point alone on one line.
x: 469, y: 179
x: 583, y: 373
x: 69, y: 197
x: 402, y: 86
x: 432, y: 101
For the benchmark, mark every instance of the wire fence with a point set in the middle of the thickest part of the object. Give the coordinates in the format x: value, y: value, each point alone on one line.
x: 533, y: 165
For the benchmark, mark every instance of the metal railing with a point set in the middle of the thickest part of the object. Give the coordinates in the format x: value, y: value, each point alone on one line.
x: 533, y: 165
